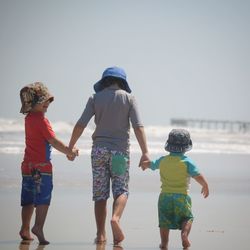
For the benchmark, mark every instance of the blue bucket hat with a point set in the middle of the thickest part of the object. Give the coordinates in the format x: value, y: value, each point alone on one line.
x: 114, y: 72
x: 178, y: 141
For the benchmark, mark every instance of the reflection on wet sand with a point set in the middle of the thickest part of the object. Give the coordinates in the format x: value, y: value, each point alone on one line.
x: 102, y: 246
x: 25, y: 245
x: 28, y: 245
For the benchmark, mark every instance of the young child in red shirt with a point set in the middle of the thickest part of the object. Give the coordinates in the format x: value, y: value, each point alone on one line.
x: 36, y: 167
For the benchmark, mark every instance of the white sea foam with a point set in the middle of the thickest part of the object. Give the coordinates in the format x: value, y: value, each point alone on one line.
x: 10, y: 125
x: 204, y: 140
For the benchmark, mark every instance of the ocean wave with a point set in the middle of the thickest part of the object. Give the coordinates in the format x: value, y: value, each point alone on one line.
x: 204, y: 140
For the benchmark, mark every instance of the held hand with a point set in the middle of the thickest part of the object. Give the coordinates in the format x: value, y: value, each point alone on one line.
x: 145, y: 164
x: 75, y: 152
x: 144, y: 157
x: 71, y: 157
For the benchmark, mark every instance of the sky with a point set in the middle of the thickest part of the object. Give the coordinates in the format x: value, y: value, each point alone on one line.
x: 183, y: 58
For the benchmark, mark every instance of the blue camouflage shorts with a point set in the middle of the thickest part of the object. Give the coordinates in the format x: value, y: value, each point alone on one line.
x: 36, y: 189
x: 109, y: 165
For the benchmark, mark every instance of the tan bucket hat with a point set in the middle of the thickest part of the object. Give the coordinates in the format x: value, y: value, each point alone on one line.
x: 33, y: 94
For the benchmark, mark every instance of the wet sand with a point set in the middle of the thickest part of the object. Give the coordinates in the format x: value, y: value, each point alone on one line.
x: 221, y: 221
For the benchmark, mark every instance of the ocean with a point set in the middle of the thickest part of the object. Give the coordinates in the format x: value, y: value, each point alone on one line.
x: 208, y: 141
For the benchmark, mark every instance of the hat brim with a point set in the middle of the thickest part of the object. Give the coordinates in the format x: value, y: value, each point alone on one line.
x: 49, y: 98
x: 26, y: 109
x: 172, y: 148
x: 98, y: 86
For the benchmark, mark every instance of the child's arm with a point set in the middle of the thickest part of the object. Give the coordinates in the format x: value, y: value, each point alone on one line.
x: 58, y: 145
x: 153, y: 165
x: 141, y: 138
x: 77, y: 132
x: 201, y: 180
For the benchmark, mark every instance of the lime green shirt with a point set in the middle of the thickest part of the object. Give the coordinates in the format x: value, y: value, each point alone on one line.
x: 175, y: 171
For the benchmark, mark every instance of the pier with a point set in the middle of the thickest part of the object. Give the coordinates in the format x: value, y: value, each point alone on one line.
x: 231, y: 126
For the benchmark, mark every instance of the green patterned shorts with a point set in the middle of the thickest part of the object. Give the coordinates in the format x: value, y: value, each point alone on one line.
x: 173, y: 210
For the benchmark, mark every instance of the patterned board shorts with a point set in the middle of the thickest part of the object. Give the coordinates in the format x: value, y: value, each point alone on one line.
x: 173, y: 210
x: 109, y: 165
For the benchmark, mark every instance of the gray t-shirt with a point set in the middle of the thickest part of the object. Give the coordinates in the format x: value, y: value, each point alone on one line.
x: 113, y: 109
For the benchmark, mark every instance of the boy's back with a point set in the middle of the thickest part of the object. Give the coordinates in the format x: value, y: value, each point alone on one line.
x: 37, y: 133
x: 113, y: 108
x: 175, y: 171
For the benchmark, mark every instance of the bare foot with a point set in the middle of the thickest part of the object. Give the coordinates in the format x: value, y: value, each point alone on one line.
x: 39, y: 234
x: 117, y: 233
x: 163, y: 247
x: 25, y: 235
x: 100, y: 240
x: 185, y: 242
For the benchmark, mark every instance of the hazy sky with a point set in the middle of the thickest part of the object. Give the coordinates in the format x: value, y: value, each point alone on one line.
x: 183, y: 58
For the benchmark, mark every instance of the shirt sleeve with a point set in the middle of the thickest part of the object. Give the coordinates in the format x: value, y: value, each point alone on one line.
x: 191, y: 167
x: 134, y: 114
x: 46, y: 129
x: 87, y: 113
x: 156, y: 163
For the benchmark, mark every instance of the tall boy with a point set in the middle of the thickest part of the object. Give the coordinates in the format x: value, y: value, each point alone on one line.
x: 113, y: 108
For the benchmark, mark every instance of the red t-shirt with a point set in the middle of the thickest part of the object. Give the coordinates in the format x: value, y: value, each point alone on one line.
x: 38, y: 150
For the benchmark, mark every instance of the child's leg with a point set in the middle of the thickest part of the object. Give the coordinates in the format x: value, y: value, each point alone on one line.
x: 27, y: 212
x: 101, y: 189
x: 164, y: 232
x: 186, y: 228
x: 41, y: 213
x: 118, y: 207
x: 100, y: 217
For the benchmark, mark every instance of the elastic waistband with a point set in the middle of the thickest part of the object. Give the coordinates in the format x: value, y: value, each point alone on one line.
x: 44, y: 168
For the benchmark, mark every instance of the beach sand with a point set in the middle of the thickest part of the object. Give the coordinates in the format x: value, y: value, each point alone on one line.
x: 221, y: 221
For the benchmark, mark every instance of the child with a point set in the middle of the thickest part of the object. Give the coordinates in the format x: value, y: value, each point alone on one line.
x: 36, y: 166
x: 174, y: 204
x: 113, y: 108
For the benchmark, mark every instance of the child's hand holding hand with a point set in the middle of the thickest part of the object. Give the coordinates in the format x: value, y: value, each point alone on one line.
x: 75, y: 152
x: 145, y: 164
